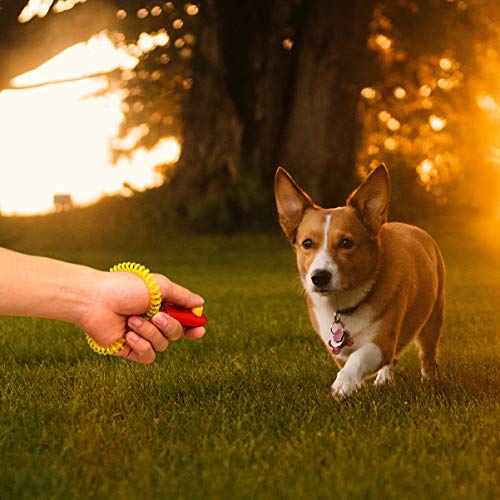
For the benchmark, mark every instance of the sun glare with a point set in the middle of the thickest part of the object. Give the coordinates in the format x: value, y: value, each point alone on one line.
x: 56, y: 138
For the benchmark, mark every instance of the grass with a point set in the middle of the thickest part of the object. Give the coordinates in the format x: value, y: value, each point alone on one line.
x: 245, y: 412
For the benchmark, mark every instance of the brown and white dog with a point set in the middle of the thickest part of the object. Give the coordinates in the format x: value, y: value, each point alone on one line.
x: 372, y: 287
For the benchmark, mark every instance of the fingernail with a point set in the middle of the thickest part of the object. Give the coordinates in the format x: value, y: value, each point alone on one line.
x: 200, y: 298
x: 133, y: 337
x: 135, y: 321
x: 161, y: 319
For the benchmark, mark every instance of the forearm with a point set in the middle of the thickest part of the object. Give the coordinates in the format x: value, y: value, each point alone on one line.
x: 42, y: 287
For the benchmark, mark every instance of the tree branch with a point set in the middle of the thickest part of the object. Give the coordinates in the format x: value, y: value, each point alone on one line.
x: 62, y: 80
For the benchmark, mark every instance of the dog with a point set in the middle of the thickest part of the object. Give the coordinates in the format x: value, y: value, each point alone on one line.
x: 372, y: 286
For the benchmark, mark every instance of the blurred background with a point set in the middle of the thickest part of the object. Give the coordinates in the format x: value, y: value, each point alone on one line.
x: 160, y: 113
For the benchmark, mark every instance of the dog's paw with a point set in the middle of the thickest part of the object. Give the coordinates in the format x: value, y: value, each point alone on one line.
x: 384, y: 376
x: 429, y: 373
x: 344, y: 386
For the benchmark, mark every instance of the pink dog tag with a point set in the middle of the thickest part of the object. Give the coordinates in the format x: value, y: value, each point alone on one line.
x: 340, y: 336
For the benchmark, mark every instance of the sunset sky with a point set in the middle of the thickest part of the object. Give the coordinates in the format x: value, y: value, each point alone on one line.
x: 56, y: 138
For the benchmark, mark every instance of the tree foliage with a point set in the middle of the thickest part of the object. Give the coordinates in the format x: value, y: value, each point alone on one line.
x: 272, y: 75
x: 163, y: 35
x: 430, y: 111
x: 327, y: 89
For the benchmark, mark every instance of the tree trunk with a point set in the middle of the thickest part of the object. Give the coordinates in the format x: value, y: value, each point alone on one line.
x: 260, y: 83
x: 255, y: 105
x: 208, y: 187
x: 319, y: 143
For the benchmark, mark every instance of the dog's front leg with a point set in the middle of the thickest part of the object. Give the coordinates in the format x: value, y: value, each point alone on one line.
x: 360, y: 364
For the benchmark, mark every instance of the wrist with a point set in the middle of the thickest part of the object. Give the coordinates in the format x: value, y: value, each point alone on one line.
x: 79, y: 295
x: 148, y: 279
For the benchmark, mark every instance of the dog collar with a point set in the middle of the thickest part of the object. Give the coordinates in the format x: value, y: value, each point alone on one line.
x: 340, y: 336
x: 351, y: 310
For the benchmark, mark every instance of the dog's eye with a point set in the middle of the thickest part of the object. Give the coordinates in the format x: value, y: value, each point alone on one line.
x: 346, y: 243
x: 307, y: 243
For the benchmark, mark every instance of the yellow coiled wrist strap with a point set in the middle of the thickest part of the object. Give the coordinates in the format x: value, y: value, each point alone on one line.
x: 154, y: 305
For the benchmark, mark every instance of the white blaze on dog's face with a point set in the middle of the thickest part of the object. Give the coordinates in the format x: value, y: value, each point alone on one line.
x: 336, y: 249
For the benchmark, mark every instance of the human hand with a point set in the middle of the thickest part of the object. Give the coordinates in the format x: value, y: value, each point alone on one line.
x: 117, y: 303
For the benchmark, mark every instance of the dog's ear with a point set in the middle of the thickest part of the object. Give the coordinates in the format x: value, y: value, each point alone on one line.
x: 291, y: 201
x: 371, y: 199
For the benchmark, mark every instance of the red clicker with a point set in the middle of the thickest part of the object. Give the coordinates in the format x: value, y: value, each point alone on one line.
x: 186, y: 317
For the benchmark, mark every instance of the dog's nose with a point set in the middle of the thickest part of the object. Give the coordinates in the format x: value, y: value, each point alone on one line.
x: 321, y: 277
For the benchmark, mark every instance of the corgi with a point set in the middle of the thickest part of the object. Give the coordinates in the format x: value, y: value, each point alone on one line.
x: 372, y: 286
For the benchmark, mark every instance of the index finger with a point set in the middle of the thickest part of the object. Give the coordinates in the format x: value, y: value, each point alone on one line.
x: 176, y: 294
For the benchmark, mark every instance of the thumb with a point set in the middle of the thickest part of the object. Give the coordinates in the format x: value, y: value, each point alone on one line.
x: 176, y: 294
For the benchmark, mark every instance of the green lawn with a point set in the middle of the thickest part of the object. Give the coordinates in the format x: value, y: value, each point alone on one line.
x: 246, y: 411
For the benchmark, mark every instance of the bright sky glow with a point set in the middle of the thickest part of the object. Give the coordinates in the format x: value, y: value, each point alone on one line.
x: 56, y: 139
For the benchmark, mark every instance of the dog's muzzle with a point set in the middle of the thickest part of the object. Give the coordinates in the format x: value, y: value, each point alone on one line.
x: 321, y: 278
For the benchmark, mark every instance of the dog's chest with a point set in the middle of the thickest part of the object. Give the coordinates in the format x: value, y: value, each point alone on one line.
x: 359, y: 324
